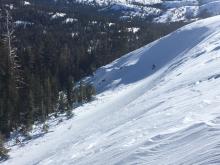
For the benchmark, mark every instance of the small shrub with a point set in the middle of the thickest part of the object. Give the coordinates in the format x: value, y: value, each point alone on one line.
x: 60, y: 121
x: 45, y: 128
x: 25, y: 131
x: 17, y: 141
x: 56, y: 115
x: 69, y: 114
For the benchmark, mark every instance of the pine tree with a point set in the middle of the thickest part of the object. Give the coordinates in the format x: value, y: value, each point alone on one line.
x: 3, y: 150
x: 45, y: 128
x: 11, y: 75
x: 13, y: 59
x: 90, y: 92
x: 62, y: 102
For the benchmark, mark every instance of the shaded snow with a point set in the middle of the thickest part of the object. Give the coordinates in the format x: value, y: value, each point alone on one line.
x: 167, y: 114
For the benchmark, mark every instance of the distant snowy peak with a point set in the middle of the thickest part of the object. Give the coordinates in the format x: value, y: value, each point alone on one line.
x: 106, y: 2
x: 187, y: 10
x: 158, y: 10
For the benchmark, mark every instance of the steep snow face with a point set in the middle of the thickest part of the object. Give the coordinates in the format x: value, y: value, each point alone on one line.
x: 160, y: 11
x: 156, y: 105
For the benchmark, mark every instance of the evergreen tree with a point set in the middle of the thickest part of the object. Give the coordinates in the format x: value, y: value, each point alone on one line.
x: 11, y: 76
x: 3, y: 150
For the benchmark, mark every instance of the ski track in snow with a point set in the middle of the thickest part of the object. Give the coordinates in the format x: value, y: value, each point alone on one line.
x: 168, y: 115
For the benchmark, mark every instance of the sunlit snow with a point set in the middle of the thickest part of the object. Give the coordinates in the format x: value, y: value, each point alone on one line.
x: 158, y: 105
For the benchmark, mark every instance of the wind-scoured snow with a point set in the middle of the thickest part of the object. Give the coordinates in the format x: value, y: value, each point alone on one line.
x: 158, y: 105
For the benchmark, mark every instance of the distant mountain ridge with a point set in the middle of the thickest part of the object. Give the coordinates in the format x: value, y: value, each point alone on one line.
x: 158, y: 10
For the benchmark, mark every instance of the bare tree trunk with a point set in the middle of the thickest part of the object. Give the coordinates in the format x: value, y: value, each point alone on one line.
x: 14, y: 66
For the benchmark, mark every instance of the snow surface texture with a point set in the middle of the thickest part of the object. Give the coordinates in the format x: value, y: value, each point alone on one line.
x: 158, y: 105
x: 160, y: 11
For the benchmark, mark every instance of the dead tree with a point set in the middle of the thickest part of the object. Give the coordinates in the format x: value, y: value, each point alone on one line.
x: 15, y: 69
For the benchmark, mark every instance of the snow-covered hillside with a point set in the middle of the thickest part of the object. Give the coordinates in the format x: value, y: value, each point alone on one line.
x: 158, y: 105
x: 160, y: 10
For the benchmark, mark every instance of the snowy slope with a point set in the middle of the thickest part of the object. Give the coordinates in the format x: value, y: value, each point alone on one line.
x: 168, y: 115
x: 160, y: 10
